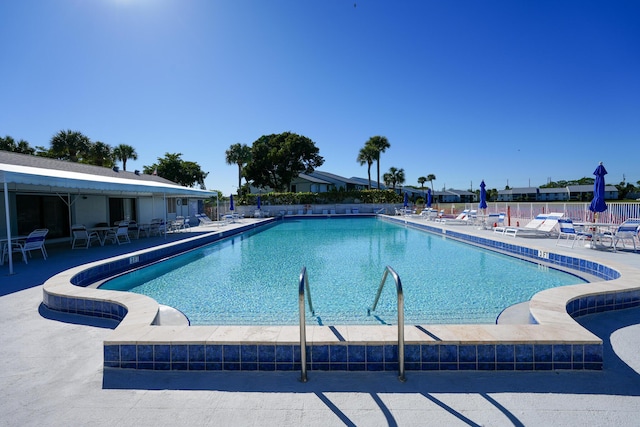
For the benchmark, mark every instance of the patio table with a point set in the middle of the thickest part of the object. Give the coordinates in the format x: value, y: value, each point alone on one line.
x: 601, y: 231
x: 102, y: 232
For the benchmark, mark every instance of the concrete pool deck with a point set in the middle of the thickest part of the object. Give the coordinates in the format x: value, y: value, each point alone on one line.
x: 52, y: 374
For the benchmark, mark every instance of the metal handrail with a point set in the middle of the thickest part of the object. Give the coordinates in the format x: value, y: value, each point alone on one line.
x: 396, y: 278
x: 304, y: 285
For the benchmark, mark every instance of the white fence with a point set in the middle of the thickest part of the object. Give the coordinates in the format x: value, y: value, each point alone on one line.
x: 616, y: 212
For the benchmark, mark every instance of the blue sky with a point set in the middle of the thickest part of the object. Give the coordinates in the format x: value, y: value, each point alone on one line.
x: 514, y: 92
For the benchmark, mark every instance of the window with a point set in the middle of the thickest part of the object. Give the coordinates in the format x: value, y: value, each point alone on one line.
x: 50, y: 212
x: 122, y: 209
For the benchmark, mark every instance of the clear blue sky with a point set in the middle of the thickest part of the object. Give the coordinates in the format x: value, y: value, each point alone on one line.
x: 505, y: 91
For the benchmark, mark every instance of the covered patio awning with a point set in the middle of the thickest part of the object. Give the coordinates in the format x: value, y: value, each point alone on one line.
x: 25, y: 178
x: 40, y: 175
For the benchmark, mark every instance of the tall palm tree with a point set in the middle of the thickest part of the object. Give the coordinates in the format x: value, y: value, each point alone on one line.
x: 124, y: 152
x: 238, y: 154
x: 431, y: 177
x: 379, y: 144
x: 69, y: 145
x: 367, y: 155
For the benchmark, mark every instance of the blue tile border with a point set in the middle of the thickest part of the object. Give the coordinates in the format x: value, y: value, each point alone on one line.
x: 347, y: 357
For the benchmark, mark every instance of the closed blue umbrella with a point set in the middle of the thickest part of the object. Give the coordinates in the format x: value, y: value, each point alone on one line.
x: 231, y: 202
x: 598, y: 204
x: 406, y: 199
x: 483, y: 196
x: 429, y: 198
x: 259, y: 202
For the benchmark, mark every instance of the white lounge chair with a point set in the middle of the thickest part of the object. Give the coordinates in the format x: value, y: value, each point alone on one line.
x: 205, y: 220
x: 569, y: 233
x: 531, y: 225
x: 80, y: 234
x: 546, y: 229
x: 463, y: 218
x: 428, y: 214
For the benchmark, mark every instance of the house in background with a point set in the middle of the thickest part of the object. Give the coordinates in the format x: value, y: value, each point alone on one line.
x: 38, y: 192
x: 580, y: 193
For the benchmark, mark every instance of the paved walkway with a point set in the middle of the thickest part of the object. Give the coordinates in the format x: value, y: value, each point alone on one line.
x: 51, y: 374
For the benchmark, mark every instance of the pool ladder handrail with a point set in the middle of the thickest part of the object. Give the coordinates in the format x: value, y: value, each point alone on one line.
x: 304, y: 286
x: 388, y: 270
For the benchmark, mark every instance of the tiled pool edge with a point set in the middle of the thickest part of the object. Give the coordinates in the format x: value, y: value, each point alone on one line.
x: 137, y: 345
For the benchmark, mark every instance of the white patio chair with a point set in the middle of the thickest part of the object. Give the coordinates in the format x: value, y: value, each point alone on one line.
x: 119, y: 235
x: 80, y: 234
x: 569, y: 233
x: 627, y: 231
x: 34, y: 241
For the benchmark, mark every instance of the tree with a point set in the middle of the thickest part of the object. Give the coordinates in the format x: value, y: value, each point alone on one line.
x: 394, y: 177
x: 279, y: 158
x: 9, y: 144
x: 100, y: 154
x: 173, y: 168
x: 421, y: 181
x: 69, y: 145
x: 431, y: 177
x: 378, y: 144
x: 367, y: 155
x: 238, y: 154
x: 124, y: 152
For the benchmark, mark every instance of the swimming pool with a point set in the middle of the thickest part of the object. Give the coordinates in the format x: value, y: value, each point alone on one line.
x: 252, y: 279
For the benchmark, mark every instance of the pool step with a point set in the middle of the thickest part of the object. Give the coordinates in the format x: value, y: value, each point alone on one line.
x: 517, y: 314
x: 169, y: 316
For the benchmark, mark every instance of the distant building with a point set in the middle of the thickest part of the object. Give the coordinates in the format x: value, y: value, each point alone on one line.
x: 578, y: 193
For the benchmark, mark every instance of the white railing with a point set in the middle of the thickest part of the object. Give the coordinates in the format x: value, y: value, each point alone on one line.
x: 616, y: 213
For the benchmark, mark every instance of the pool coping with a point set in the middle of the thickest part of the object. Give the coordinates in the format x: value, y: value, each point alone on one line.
x: 554, y: 341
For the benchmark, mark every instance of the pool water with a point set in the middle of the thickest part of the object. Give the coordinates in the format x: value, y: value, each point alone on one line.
x: 252, y: 278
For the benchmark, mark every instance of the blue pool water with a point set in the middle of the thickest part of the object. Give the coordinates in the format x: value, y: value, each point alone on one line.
x: 252, y: 279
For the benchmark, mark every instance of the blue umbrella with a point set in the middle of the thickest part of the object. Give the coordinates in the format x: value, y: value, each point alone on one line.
x: 406, y: 199
x: 259, y: 202
x: 598, y: 204
x: 231, y: 203
x: 429, y: 198
x: 483, y: 196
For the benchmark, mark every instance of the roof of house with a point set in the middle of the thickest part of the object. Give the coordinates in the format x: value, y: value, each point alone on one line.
x: 33, y: 170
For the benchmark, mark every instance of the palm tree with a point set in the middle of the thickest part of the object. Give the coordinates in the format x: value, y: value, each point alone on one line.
x: 421, y: 181
x: 238, y: 154
x: 367, y: 155
x: 431, y: 177
x: 395, y: 176
x: 69, y: 145
x: 124, y: 152
x: 378, y: 144
x: 100, y: 154
x: 9, y: 144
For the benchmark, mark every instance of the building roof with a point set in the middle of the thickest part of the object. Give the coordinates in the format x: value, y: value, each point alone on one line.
x: 22, y: 170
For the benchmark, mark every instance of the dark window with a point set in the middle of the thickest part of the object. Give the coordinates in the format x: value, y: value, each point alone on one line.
x: 122, y: 209
x: 50, y: 212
